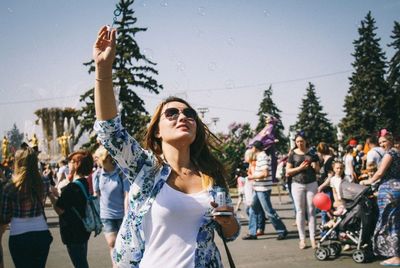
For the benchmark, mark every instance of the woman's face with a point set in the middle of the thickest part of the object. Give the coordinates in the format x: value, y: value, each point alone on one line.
x: 177, y: 124
x: 384, y: 143
x: 300, y: 142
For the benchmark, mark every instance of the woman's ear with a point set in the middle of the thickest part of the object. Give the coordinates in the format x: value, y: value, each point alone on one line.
x: 157, y: 135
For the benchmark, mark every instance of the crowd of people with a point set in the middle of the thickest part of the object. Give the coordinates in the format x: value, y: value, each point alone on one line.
x: 161, y: 203
x: 309, y: 169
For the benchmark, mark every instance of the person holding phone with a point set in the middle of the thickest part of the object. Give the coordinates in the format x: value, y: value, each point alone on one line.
x: 174, y: 179
x: 303, y: 166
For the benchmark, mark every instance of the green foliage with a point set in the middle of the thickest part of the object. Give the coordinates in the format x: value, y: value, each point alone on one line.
x: 15, y: 137
x: 233, y: 148
x: 267, y: 106
x: 393, y: 80
x: 312, y: 120
x: 132, y: 72
x: 368, y: 98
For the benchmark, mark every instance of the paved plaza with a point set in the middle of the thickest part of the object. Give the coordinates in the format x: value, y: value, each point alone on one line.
x: 264, y: 252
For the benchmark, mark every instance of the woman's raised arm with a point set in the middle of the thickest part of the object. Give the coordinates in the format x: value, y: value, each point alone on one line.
x: 104, y: 55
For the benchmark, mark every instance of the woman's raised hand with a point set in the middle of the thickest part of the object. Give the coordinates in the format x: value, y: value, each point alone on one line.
x: 104, y: 49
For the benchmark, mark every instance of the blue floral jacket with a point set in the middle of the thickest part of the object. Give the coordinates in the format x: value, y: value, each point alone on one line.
x: 147, y: 178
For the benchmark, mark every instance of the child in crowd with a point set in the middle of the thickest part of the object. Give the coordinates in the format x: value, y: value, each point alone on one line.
x: 241, y: 180
x: 370, y: 171
x: 334, y: 182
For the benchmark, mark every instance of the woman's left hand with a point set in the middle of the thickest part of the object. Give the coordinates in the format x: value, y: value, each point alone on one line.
x: 223, y: 220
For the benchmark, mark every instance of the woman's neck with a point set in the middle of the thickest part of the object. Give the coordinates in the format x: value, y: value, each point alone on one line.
x: 108, y: 167
x: 177, y: 158
x: 77, y: 176
x: 326, y: 156
x: 302, y: 149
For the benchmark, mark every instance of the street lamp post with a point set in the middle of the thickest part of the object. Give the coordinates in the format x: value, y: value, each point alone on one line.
x: 202, y: 111
x: 339, y: 136
x: 215, y: 120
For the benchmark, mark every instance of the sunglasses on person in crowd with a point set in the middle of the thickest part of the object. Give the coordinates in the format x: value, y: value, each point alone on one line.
x: 173, y: 113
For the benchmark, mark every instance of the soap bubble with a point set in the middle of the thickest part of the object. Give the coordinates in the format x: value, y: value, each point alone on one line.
x: 201, y: 11
x: 266, y: 13
x: 180, y: 66
x: 212, y: 66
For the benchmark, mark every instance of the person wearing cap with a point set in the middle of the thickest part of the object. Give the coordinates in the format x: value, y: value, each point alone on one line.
x: 112, y: 186
x: 72, y: 230
x: 262, y: 186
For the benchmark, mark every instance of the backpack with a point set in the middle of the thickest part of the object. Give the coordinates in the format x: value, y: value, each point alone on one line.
x: 91, y: 221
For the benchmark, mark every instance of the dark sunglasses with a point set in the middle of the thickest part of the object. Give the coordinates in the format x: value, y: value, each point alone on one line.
x: 173, y: 113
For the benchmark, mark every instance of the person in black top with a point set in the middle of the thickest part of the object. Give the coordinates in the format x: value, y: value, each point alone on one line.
x: 326, y: 160
x: 73, y: 232
x: 302, y: 166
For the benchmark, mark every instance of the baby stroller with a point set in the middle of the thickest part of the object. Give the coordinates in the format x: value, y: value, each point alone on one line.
x: 354, y: 227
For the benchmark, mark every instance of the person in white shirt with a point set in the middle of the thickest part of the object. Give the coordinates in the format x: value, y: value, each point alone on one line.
x: 175, y: 179
x: 262, y: 199
x: 376, y: 153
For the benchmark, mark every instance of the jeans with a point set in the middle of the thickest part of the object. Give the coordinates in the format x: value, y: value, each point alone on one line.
x: 30, y: 249
x: 111, y: 225
x: 78, y: 254
x: 260, y: 218
x: 262, y: 201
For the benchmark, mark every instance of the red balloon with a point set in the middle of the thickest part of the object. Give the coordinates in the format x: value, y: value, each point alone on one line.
x: 322, y: 201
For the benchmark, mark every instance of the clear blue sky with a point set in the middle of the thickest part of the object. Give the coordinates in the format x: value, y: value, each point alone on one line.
x: 220, y: 54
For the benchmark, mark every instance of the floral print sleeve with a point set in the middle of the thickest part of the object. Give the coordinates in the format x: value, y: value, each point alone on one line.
x: 127, y: 152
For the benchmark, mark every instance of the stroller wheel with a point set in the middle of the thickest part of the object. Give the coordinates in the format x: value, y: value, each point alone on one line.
x: 321, y: 253
x: 335, y: 249
x: 338, y: 248
x: 359, y: 256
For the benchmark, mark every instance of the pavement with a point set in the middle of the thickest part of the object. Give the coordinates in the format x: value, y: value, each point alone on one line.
x: 266, y: 251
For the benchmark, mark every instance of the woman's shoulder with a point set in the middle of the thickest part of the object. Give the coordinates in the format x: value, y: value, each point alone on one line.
x: 394, y: 153
x: 9, y: 188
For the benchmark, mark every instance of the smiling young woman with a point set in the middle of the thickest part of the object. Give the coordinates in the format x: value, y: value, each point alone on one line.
x: 174, y: 179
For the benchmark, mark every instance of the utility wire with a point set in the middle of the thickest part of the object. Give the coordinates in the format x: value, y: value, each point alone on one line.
x: 195, y: 90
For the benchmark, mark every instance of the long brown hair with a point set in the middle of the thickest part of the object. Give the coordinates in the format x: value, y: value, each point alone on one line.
x: 200, y: 149
x: 27, y: 178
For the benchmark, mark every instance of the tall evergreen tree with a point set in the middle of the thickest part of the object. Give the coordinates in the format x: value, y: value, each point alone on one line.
x: 15, y: 137
x: 393, y: 80
x: 132, y: 71
x: 312, y: 120
x: 367, y: 98
x: 267, y: 106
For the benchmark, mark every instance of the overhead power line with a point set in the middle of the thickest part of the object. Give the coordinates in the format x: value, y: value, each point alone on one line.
x: 196, y: 90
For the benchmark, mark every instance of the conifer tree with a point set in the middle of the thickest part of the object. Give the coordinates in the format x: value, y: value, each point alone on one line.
x: 132, y: 72
x: 15, y: 138
x: 312, y: 120
x: 367, y: 98
x: 393, y: 80
x: 267, y: 106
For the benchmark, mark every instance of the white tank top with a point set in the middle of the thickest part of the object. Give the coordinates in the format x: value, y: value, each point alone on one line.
x: 24, y: 225
x: 171, y: 227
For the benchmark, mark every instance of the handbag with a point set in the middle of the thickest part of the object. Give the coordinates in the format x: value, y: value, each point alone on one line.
x: 228, y: 253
